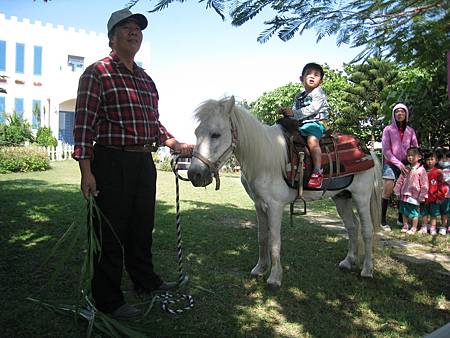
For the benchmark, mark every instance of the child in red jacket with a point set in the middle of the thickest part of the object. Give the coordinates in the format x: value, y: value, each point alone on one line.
x: 437, y: 189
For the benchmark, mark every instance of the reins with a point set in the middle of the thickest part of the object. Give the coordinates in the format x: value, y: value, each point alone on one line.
x: 168, y: 299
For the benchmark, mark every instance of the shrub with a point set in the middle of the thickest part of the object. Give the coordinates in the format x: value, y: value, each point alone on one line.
x: 165, y: 164
x: 16, y: 132
x: 22, y: 159
x: 45, y: 138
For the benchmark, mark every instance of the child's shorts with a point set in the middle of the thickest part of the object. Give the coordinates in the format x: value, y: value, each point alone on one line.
x: 430, y: 209
x: 409, y: 210
x: 445, y: 207
x: 390, y: 171
x: 312, y: 129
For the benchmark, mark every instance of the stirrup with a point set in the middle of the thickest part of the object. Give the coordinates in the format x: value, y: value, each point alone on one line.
x: 296, y: 212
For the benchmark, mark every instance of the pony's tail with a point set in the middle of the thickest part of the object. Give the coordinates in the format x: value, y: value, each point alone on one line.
x: 375, y: 198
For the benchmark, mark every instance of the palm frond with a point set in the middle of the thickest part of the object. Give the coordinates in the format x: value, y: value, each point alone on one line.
x: 288, y: 31
x: 217, y: 5
x: 163, y: 4
x: 246, y: 11
x: 131, y: 3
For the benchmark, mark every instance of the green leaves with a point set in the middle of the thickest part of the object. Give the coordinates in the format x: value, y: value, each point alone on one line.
x: 16, y: 132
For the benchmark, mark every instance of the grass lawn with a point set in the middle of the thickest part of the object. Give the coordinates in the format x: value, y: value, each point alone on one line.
x: 220, y: 248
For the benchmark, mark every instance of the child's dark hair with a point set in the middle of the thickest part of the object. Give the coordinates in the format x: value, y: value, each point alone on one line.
x: 441, y: 152
x: 429, y: 153
x: 414, y: 150
x: 313, y: 66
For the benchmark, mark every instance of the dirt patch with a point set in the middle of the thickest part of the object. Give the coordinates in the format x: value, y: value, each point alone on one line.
x: 407, y: 251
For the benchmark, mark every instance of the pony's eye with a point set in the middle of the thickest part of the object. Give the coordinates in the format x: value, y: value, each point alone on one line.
x: 215, y: 135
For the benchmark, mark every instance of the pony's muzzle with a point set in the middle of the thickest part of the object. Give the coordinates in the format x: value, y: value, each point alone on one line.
x: 199, y: 174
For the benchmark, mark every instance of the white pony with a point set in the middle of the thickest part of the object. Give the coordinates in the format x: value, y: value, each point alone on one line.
x: 225, y: 128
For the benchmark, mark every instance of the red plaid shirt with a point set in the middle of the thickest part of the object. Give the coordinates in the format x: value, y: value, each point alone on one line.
x: 116, y: 107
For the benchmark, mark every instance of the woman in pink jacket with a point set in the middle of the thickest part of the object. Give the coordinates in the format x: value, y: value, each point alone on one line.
x: 397, y: 138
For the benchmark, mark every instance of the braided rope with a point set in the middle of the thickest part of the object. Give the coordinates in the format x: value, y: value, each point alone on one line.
x: 167, y: 300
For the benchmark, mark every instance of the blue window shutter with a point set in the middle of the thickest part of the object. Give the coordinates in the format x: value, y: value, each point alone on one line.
x: 2, y: 109
x: 36, y: 109
x: 2, y: 55
x: 37, y: 66
x: 18, y: 107
x: 20, y: 58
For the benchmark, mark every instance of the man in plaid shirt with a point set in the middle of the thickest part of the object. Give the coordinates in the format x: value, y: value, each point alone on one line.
x: 117, y: 108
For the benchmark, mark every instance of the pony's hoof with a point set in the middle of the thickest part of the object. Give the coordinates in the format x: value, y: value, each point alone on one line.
x: 367, y: 273
x: 256, y: 275
x: 257, y: 272
x: 345, y: 265
x: 273, y: 286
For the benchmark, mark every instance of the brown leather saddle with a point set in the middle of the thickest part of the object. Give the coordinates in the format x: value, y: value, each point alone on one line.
x: 342, y: 155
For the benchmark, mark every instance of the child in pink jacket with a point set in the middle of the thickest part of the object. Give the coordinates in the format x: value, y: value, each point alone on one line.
x: 412, y: 190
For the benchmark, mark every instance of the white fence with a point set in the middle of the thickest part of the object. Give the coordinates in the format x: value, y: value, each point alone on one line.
x: 61, y: 152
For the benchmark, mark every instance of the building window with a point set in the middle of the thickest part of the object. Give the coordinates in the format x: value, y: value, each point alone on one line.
x: 37, y: 66
x: 76, y: 62
x: 18, y: 107
x: 2, y: 55
x: 2, y: 110
x: 20, y: 58
x: 36, y: 120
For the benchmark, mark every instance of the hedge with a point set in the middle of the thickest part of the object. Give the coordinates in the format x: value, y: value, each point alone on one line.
x: 22, y: 159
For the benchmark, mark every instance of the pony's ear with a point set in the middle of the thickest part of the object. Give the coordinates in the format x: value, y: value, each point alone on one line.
x: 229, y: 104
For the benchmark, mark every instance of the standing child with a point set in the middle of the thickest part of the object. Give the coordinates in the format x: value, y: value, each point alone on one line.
x: 411, y: 189
x: 444, y: 165
x: 437, y: 189
x: 311, y: 107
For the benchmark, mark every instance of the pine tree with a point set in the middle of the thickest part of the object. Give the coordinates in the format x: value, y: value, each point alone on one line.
x: 365, y: 98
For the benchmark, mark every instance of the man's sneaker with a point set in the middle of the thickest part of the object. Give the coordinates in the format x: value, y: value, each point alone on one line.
x: 385, y: 227
x: 164, y: 286
x: 412, y: 231
x: 442, y: 231
x: 423, y: 229
x: 126, y: 312
x: 167, y: 286
x: 315, y: 181
x: 433, y: 231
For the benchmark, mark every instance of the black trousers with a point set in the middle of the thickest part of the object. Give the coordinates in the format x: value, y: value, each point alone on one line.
x: 127, y: 190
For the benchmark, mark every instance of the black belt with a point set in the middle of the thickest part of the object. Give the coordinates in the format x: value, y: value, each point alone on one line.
x: 136, y: 148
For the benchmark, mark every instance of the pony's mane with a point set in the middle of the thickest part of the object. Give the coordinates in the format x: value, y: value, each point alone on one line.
x: 259, y: 147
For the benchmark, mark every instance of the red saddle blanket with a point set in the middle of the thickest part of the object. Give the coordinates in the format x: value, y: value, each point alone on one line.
x: 347, y: 154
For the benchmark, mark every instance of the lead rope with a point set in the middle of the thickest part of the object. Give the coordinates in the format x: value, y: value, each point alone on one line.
x: 168, y: 299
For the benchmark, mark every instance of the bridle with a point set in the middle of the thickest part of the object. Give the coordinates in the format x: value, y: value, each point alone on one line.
x: 215, y: 166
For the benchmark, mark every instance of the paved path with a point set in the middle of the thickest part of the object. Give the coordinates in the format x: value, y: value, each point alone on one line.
x: 408, y: 251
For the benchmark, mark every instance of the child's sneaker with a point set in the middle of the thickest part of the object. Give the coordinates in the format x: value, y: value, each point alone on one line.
x: 433, y: 230
x: 423, y: 229
x: 385, y: 227
x: 315, y: 181
x: 412, y: 231
x: 442, y: 231
x: 405, y: 228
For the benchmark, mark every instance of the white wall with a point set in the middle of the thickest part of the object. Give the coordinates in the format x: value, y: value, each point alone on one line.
x: 58, y: 82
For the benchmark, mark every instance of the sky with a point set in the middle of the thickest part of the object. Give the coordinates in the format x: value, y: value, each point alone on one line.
x: 195, y: 55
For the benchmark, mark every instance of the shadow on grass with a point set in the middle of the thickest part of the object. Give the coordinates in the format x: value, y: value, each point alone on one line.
x: 220, y: 248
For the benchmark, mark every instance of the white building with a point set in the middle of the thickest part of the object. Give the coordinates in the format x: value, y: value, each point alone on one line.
x: 40, y: 65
